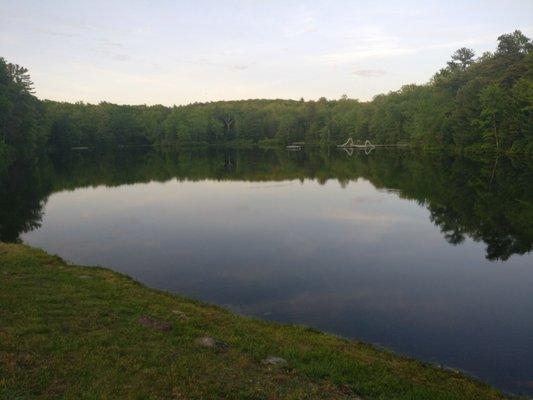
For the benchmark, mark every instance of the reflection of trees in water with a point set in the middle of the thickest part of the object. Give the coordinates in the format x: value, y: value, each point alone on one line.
x: 449, y: 223
x: 465, y: 197
x: 23, y: 195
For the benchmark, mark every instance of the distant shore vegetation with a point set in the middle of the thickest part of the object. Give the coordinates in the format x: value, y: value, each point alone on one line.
x: 480, y: 102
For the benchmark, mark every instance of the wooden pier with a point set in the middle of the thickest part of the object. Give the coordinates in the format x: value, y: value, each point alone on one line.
x: 350, y: 144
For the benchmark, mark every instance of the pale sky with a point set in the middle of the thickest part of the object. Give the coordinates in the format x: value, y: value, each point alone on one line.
x: 178, y: 52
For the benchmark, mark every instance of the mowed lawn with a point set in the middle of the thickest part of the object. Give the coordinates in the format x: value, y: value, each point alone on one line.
x: 72, y: 332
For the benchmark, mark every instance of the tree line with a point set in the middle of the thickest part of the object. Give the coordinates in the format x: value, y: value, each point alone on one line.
x: 480, y: 102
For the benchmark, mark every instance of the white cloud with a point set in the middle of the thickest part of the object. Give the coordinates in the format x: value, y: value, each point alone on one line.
x: 375, y: 44
x: 367, y: 42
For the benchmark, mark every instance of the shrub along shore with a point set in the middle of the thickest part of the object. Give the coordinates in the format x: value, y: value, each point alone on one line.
x: 68, y: 331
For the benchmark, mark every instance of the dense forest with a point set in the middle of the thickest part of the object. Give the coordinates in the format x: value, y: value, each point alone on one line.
x: 474, y: 102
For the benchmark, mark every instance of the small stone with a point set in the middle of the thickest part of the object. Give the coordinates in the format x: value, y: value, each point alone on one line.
x: 273, y: 360
x: 207, y: 341
x: 154, y: 324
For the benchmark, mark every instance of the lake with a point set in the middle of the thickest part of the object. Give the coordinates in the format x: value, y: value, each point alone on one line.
x: 426, y: 254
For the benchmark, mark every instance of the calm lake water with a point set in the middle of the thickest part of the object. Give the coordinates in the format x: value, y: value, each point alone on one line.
x: 425, y: 254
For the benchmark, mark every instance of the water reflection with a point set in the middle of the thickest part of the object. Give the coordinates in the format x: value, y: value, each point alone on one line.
x: 482, y: 199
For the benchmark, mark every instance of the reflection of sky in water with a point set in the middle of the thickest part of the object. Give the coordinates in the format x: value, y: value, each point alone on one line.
x: 354, y: 261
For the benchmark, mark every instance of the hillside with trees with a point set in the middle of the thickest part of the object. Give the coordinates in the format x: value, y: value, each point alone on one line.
x: 482, y: 103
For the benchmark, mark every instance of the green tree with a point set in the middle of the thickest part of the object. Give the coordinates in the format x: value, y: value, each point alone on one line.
x: 514, y: 43
x: 462, y: 59
x: 494, y: 105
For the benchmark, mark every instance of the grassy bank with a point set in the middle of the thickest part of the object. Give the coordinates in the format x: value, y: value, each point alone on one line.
x: 78, y: 332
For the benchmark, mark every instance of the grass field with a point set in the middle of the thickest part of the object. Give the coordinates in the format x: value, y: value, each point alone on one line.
x: 73, y: 332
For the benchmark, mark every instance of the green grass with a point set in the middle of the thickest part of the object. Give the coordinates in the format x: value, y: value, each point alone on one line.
x: 72, y: 332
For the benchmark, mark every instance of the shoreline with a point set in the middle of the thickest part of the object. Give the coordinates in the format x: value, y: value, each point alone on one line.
x: 71, y: 331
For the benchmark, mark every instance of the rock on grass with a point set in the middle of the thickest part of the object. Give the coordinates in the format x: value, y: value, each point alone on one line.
x: 276, y: 361
x: 207, y: 341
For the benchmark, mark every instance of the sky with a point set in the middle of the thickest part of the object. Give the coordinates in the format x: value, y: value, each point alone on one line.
x: 179, y: 52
